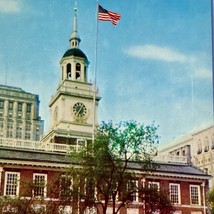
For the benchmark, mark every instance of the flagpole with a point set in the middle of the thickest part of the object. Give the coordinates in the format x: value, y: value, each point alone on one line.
x: 212, y: 38
x: 95, y: 74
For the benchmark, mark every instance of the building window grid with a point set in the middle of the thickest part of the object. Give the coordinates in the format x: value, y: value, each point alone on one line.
x: 195, y: 194
x: 19, y: 107
x: 28, y: 108
x: 1, y: 128
x: 213, y: 141
x: 199, y: 147
x: 19, y: 115
x: 66, y: 185
x: 11, y: 187
x: 19, y: 131
x: 28, y: 116
x: 10, y: 105
x: 175, y: 193
x: 10, y: 130
x: 40, y: 185
x: 155, y: 185
x: 1, y: 104
x: 10, y: 113
x: 133, y: 186
x: 27, y: 136
x: 206, y: 144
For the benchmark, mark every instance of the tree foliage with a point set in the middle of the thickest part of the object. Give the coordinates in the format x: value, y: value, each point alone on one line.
x: 156, y: 200
x: 210, y: 198
x: 106, y: 165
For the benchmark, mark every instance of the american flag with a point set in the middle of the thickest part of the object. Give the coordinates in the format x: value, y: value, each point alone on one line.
x: 106, y: 15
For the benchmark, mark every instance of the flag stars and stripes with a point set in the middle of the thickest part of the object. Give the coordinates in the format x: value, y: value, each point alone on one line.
x: 107, y: 15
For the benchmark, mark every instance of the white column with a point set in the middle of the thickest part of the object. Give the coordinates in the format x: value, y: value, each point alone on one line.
x: 73, y: 70
x: 204, y: 199
x: 32, y: 116
x: 6, y: 106
x: 144, y: 207
x: 24, y: 110
x: 1, y: 170
x: 15, y: 109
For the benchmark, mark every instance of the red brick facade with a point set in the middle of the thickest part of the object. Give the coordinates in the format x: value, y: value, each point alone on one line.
x: 182, y: 178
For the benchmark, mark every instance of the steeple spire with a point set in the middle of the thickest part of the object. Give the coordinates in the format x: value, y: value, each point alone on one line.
x: 75, y: 39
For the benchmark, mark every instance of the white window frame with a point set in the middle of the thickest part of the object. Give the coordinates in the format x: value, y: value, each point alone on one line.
x: 153, y: 184
x: 199, y: 194
x: 135, y: 196
x: 132, y: 210
x: 178, y: 193
x: 45, y: 184
x: 6, y: 183
x: 81, y: 143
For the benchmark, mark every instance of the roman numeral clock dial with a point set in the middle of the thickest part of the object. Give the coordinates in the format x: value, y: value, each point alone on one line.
x: 79, y: 111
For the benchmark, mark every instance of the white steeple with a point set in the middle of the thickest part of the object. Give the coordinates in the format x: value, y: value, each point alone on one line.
x: 75, y: 39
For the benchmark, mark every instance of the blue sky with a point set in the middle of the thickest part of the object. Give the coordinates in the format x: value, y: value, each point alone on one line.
x: 154, y: 66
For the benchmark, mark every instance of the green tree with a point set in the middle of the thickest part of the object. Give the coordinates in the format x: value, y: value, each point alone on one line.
x: 156, y: 200
x: 210, y: 198
x: 104, y: 165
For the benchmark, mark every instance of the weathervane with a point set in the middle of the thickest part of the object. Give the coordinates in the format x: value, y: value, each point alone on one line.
x: 75, y: 6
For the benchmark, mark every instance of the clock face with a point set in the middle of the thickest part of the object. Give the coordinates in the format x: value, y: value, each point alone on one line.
x: 79, y: 110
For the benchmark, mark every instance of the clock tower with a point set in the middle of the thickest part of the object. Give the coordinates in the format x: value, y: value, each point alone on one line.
x: 74, y: 106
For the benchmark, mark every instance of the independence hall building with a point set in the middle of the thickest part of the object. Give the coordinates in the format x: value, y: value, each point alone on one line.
x: 27, y: 156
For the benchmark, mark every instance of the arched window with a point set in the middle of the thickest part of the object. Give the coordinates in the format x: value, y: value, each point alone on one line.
x: 213, y: 141
x: 62, y: 72
x: 206, y: 144
x: 85, y: 74
x: 184, y: 153
x: 78, y: 67
x: 68, y: 71
x: 56, y: 115
x: 199, y: 147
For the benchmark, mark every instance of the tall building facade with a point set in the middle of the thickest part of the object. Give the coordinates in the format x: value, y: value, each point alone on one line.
x: 19, y: 114
x: 198, y: 146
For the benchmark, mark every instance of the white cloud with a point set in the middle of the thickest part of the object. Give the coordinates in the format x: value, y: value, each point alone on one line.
x: 197, y: 64
x: 155, y: 52
x: 203, y: 73
x: 10, y: 6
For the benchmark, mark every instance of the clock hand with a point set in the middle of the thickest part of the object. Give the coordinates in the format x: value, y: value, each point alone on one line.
x: 78, y: 112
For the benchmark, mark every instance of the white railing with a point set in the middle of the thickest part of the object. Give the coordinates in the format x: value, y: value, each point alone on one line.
x: 35, y: 145
x: 171, y: 158
x: 64, y: 148
x: 88, y: 92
